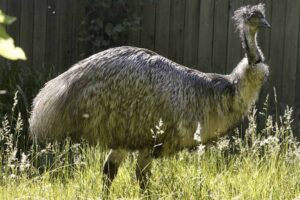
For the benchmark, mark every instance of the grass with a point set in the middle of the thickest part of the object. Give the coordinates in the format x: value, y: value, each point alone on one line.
x: 262, y: 164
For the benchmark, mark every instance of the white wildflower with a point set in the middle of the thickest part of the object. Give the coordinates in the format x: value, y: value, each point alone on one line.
x: 223, y: 144
x: 24, y: 162
x: 197, y: 133
x: 201, y: 150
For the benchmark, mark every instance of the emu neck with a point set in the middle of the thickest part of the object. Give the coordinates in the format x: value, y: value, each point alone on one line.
x: 253, y: 52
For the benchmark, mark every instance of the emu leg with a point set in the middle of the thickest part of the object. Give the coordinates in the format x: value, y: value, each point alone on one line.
x: 143, y: 168
x: 111, y: 165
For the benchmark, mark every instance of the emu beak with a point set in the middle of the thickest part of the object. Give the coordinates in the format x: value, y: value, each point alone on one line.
x: 265, y: 23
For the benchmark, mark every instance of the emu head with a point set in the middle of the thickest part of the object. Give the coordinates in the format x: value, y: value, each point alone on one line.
x: 251, y: 16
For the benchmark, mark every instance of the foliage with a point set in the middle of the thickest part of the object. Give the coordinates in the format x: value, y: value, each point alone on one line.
x: 7, y: 48
x: 263, y: 165
x: 108, y: 23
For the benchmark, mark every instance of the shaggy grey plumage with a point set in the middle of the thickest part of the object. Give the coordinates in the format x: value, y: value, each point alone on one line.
x: 117, y: 96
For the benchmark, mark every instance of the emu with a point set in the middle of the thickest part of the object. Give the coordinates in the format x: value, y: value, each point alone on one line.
x: 117, y: 96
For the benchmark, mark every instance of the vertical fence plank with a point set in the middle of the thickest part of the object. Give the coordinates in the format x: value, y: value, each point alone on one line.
x: 297, y: 88
x: 39, y: 33
x: 64, y: 36
x: 191, y: 33
x: 290, y: 49
x: 220, y: 36
x: 162, y: 27
x: 26, y: 29
x: 52, y: 36
x: 277, y: 41
x: 148, y: 26
x: 3, y: 5
x: 205, y: 35
x: 234, y: 52
x: 14, y: 9
x: 78, y: 17
x: 176, y: 30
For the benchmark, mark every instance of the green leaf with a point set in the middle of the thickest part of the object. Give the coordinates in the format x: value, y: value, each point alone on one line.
x: 8, y: 49
x: 5, y: 19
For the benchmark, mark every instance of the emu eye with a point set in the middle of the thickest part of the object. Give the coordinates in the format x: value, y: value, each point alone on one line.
x: 256, y: 15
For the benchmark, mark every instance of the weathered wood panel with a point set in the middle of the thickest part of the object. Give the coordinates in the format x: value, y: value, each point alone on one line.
x: 3, y: 5
x: 297, y: 87
x: 290, y: 49
x: 220, y: 36
x: 39, y: 33
x: 277, y: 44
x: 148, y: 27
x: 162, y: 27
x: 14, y: 9
x: 191, y: 32
x: 52, y: 26
x: 78, y: 15
x: 64, y: 32
x: 26, y: 28
x: 176, y: 30
x: 206, y: 26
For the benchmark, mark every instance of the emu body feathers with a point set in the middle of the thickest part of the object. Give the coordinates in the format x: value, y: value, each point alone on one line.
x: 117, y: 96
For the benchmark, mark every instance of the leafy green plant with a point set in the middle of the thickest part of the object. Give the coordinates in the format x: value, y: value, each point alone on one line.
x: 108, y: 23
x: 7, y: 48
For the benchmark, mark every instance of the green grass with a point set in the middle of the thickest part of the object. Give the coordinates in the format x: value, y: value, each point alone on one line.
x: 263, y: 164
x: 186, y: 176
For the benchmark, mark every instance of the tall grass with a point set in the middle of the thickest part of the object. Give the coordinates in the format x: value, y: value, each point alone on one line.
x: 257, y: 164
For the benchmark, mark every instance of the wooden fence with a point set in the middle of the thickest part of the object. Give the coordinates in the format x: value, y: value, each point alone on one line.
x: 196, y: 33
x: 46, y: 30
